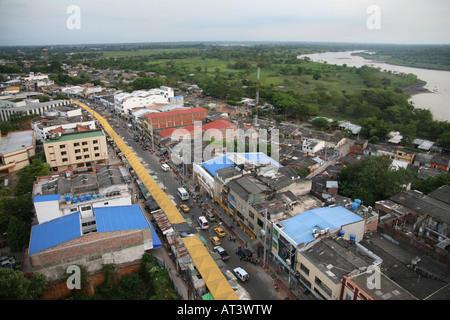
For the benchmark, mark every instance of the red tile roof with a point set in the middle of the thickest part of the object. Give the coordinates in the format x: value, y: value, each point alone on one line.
x: 158, y: 114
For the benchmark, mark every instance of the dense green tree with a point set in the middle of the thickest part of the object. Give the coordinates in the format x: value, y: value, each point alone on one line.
x: 27, y: 176
x: 14, y: 286
x: 444, y: 140
x: 372, y: 179
x: 146, y: 83
x: 17, y: 234
x: 431, y: 183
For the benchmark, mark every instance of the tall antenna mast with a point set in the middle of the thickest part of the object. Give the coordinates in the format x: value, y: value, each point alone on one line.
x: 257, y: 88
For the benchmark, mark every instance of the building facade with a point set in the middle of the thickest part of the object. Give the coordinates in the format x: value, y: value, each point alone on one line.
x: 76, y: 150
x: 16, y: 150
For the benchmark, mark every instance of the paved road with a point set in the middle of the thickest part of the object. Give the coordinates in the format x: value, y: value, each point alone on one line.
x: 261, y: 285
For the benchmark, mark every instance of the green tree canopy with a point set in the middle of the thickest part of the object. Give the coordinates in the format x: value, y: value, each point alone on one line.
x: 14, y: 286
x: 146, y: 83
x: 372, y: 179
x: 28, y: 174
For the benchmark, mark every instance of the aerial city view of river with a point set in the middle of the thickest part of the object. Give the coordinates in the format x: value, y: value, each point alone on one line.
x: 437, y: 99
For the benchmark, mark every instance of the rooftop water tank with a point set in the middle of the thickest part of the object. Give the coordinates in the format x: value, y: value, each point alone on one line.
x: 341, y: 233
x: 354, y: 206
x: 94, y: 196
x: 352, y: 238
x: 99, y: 196
x: 67, y: 197
x: 81, y: 198
x: 88, y: 197
x: 358, y: 202
x: 74, y: 199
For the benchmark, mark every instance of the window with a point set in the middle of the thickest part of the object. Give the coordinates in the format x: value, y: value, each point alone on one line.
x: 86, y: 156
x: 322, y: 286
x: 95, y: 148
x: 84, y: 143
x: 63, y: 153
x: 76, y: 144
x: 85, y: 149
x: 64, y: 160
x: 304, y: 269
x: 63, y: 146
x: 78, y: 158
x: 95, y: 142
x: 97, y: 155
x: 77, y: 151
x: 305, y: 281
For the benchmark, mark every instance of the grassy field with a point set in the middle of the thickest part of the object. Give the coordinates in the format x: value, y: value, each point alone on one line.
x: 143, y: 52
x: 279, y: 68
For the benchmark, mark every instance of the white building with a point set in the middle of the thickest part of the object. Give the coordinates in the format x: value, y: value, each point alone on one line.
x: 313, y: 146
x: 28, y: 107
x: 142, y: 98
x: 58, y: 196
x: 77, y: 91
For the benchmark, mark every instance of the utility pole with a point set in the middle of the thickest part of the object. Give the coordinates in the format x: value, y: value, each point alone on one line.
x: 265, y: 238
x: 257, y: 89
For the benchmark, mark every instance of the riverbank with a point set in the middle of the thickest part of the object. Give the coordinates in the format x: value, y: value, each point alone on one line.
x: 416, y: 88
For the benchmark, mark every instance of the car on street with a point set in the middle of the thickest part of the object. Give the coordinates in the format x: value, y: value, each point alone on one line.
x: 210, y: 216
x: 184, y: 207
x: 10, y: 259
x: 241, y: 274
x: 215, y: 240
x: 220, y: 232
x: 165, y: 167
x: 222, y: 253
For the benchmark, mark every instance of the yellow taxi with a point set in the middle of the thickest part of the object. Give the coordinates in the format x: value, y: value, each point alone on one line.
x: 220, y: 232
x: 184, y: 207
x: 215, y: 240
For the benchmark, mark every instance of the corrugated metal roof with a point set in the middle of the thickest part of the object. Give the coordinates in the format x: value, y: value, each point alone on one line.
x: 120, y: 218
x: 299, y: 228
x: 223, y: 161
x: 54, y: 232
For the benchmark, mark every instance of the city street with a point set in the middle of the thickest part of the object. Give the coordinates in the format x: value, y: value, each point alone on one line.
x: 261, y: 284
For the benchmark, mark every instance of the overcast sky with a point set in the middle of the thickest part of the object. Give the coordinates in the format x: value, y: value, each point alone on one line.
x: 45, y: 22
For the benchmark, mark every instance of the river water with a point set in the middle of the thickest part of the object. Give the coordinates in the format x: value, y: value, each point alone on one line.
x: 438, y: 82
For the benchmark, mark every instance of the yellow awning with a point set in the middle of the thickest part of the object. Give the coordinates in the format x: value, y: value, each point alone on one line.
x: 205, y: 264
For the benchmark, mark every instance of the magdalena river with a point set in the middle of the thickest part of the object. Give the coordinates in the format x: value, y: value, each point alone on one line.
x: 437, y: 100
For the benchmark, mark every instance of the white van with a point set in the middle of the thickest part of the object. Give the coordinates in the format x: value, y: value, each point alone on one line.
x: 203, y: 223
x: 165, y: 167
x: 183, y: 194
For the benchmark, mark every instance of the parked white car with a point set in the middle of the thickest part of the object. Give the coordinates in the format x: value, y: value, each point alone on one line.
x: 241, y: 274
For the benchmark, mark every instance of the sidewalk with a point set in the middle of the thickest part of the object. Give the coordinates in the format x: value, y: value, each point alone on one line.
x: 282, y: 278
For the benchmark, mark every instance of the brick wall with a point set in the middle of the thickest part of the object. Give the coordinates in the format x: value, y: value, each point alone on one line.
x: 60, y: 290
x: 91, y: 250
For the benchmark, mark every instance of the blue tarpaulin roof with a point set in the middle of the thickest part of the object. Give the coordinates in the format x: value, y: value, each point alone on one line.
x: 299, y: 228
